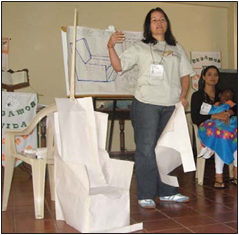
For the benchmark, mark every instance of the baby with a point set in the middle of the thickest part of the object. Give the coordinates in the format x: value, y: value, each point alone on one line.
x: 225, y: 103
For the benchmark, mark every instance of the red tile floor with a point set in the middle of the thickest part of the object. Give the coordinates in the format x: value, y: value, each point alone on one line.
x: 209, y: 210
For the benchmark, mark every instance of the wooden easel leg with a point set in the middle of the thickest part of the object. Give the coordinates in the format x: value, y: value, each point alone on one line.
x: 112, y: 126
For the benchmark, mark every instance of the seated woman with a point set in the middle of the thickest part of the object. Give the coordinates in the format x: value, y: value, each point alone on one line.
x: 212, y: 133
x: 216, y: 130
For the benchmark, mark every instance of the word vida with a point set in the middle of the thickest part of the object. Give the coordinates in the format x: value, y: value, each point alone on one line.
x: 14, y: 114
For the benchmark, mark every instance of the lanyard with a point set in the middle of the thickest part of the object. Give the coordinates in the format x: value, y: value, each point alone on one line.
x: 161, y: 57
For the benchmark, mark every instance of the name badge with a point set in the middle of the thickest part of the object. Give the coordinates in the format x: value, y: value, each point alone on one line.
x: 205, y: 108
x: 156, y: 71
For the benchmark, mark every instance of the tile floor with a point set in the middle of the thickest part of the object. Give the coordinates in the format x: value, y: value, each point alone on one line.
x: 209, y: 211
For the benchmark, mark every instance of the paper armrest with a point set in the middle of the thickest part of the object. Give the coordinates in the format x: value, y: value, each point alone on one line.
x: 119, y: 173
x: 69, y: 172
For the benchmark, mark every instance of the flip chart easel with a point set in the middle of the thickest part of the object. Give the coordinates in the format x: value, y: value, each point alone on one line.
x: 114, y: 113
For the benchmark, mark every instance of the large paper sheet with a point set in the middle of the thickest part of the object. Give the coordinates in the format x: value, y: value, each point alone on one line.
x: 94, y: 73
x: 174, y: 147
x: 79, y: 137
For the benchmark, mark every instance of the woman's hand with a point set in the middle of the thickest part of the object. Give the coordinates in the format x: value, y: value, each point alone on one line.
x: 185, y: 81
x: 184, y: 102
x: 223, y: 116
x: 116, y: 37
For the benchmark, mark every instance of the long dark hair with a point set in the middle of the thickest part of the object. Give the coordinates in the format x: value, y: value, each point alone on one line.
x: 201, y: 82
x: 148, y: 38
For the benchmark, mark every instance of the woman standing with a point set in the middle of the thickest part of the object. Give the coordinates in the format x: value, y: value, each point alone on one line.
x: 163, y: 81
x: 208, y: 93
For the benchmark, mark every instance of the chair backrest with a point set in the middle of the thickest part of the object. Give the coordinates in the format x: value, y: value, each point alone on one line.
x: 195, y: 130
x: 48, y: 114
x: 81, y: 133
x: 229, y: 79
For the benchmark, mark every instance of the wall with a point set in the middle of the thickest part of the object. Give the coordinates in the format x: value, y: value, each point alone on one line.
x: 34, y: 28
x: 232, y: 36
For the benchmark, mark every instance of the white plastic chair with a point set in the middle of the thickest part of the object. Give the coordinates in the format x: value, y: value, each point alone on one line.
x: 38, y: 165
x: 201, y: 160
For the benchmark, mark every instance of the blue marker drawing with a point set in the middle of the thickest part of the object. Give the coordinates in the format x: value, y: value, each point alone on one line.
x: 94, y: 73
x: 94, y: 63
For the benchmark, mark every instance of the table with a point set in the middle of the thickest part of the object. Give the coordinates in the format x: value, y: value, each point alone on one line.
x: 116, y: 114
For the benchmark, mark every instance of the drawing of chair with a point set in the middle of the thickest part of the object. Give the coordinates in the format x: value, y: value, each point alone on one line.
x: 92, y: 190
x: 38, y: 165
x: 98, y: 67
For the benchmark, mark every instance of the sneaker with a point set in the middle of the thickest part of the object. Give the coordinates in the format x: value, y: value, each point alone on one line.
x: 147, y: 203
x: 175, y: 198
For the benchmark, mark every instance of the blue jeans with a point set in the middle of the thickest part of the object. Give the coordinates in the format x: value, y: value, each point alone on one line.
x: 149, y: 122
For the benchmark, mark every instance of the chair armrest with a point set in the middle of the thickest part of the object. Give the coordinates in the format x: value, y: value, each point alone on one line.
x: 10, y: 134
x: 118, y: 173
x: 33, y: 123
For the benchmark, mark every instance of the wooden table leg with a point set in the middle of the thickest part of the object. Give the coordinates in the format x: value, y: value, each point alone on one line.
x: 122, y: 137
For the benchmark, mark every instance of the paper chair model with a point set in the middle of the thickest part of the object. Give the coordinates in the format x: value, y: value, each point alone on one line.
x: 92, y: 190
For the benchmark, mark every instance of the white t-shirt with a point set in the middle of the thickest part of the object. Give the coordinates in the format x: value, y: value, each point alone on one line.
x: 164, y: 91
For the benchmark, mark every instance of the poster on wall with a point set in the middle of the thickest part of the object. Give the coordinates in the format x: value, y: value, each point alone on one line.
x: 201, y: 60
x: 5, y: 53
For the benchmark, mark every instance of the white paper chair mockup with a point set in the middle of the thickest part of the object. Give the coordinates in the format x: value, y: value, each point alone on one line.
x: 38, y: 165
x: 92, y: 190
x: 201, y: 160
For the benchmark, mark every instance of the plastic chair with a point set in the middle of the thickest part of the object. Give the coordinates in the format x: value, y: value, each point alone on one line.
x: 201, y: 160
x: 38, y: 165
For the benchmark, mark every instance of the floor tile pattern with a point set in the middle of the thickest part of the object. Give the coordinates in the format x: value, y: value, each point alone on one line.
x: 209, y: 210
